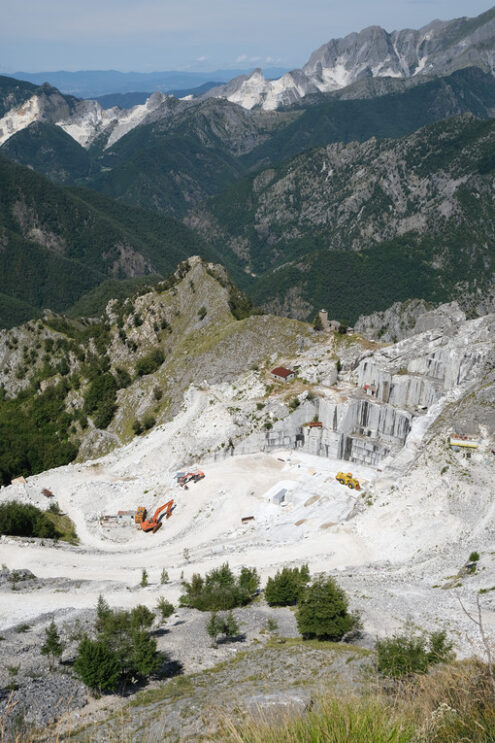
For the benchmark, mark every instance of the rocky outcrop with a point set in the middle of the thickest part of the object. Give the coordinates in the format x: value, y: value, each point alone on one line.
x: 84, y: 121
x: 405, y: 319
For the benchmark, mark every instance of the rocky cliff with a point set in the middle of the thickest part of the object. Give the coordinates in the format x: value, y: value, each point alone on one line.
x: 436, y: 49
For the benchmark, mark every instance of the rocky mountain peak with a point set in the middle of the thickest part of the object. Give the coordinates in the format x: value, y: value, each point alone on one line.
x: 438, y: 48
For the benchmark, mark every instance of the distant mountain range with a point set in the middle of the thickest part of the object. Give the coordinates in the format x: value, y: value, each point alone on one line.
x: 129, y: 100
x: 95, y: 83
x: 301, y: 202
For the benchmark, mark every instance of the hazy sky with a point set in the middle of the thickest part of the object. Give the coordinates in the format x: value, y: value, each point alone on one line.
x: 146, y: 35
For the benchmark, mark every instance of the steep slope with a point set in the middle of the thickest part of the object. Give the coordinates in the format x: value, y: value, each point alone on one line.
x: 83, y: 120
x: 181, y: 159
x: 13, y: 93
x: 270, y: 496
x: 170, y: 155
x: 45, y: 104
x: 369, y: 111
x: 57, y: 243
x: 47, y: 149
x: 91, y: 385
x: 436, y: 49
x: 415, y: 214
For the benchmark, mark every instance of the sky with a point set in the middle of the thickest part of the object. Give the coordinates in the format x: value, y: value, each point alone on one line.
x: 196, y: 35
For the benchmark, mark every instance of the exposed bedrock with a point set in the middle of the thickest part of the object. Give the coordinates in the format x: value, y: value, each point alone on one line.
x: 395, y: 387
x: 357, y: 430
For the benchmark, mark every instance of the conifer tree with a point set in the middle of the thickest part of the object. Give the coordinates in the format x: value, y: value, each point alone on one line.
x: 165, y: 608
x: 97, y: 665
x: 53, y: 647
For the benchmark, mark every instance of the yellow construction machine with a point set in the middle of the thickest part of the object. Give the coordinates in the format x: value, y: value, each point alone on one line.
x: 346, y: 478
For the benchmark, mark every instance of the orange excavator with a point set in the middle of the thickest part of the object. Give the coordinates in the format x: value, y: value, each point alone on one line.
x: 155, y: 523
x: 191, y: 476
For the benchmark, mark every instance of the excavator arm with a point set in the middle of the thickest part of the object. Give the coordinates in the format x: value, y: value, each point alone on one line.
x: 155, y: 523
x: 167, y: 506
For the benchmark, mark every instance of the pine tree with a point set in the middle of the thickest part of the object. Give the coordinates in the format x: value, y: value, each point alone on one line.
x: 322, y: 611
x: 144, y: 578
x: 213, y: 625
x: 222, y: 625
x: 230, y: 627
x: 97, y: 665
x: 102, y: 612
x: 286, y: 587
x: 164, y: 577
x: 145, y: 659
x: 165, y: 608
x: 53, y: 646
x: 317, y: 324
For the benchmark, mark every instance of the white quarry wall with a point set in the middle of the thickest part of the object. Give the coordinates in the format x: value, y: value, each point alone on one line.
x: 357, y: 430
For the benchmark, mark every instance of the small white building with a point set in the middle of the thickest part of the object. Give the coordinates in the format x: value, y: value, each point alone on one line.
x: 282, y: 374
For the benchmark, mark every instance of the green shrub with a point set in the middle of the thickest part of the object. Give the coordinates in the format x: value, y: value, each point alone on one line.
x: 97, y: 665
x: 137, y: 426
x: 52, y: 647
x: 222, y: 625
x: 122, y: 377
x: 220, y: 589
x: 123, y: 650
x: 100, y: 398
x: 401, y: 655
x: 104, y: 414
x: 55, y: 508
x: 474, y: 557
x: 148, y: 421
x: 150, y: 362
x: 287, y: 585
x: 23, y: 520
x: 317, y: 323
x: 165, y: 608
x: 322, y: 611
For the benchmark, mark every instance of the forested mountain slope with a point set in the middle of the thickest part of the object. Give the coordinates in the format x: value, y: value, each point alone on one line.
x: 356, y: 227
x: 58, y: 243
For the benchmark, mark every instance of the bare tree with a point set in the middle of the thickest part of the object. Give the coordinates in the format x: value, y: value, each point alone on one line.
x: 478, y: 621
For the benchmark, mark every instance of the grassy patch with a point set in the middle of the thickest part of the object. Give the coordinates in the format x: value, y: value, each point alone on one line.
x: 337, y: 647
x: 64, y: 526
x: 454, y: 704
x: 173, y: 689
